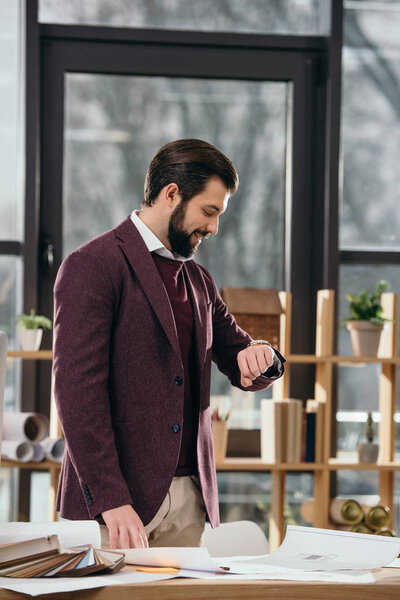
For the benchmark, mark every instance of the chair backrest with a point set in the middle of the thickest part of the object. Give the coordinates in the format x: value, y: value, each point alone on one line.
x: 240, y: 538
x: 3, y: 361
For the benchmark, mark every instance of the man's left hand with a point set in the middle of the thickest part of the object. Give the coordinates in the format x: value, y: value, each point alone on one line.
x: 253, y: 361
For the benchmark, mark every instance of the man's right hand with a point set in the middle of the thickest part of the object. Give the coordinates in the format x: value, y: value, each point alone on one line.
x: 125, y: 525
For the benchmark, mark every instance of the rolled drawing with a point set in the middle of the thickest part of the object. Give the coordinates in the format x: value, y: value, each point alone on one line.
x: 53, y: 448
x: 25, y: 426
x: 38, y: 452
x: 17, y: 450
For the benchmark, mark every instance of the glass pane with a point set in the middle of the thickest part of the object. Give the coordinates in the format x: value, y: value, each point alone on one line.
x: 371, y: 126
x: 257, y: 16
x: 358, y: 385
x: 245, y: 496
x: 299, y: 489
x: 8, y: 495
x: 11, y: 305
x: 113, y: 127
x: 40, y: 483
x: 11, y: 121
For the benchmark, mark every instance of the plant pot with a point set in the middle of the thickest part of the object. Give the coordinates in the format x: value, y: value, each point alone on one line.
x: 30, y: 339
x: 220, y: 437
x: 365, y: 337
x: 367, y: 452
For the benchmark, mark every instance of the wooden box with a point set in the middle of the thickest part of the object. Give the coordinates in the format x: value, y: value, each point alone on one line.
x: 257, y: 311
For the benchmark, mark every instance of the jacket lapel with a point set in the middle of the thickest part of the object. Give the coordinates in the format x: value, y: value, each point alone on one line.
x: 139, y: 257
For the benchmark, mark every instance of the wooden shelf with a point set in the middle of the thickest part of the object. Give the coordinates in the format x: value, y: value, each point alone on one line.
x: 334, y: 464
x: 291, y: 358
x: 39, y: 355
x: 256, y: 464
x: 45, y: 465
x: 313, y: 359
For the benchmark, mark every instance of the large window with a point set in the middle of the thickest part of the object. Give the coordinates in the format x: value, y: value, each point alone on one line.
x: 11, y: 209
x: 255, y: 16
x: 369, y: 218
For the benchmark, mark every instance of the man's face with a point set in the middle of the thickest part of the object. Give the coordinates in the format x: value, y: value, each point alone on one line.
x: 190, y: 222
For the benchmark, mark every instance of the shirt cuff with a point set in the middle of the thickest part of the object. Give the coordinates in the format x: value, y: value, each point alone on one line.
x: 275, y: 370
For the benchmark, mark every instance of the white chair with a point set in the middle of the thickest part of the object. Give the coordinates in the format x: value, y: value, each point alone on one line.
x: 240, y: 538
x: 3, y: 361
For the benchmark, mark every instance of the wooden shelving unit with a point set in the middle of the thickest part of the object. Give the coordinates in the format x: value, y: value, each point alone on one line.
x: 55, y: 431
x: 324, y: 359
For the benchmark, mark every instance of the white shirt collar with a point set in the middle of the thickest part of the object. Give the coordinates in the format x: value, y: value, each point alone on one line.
x: 151, y: 240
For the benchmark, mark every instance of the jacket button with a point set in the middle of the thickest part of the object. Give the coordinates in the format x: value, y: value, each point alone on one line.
x: 178, y: 380
x: 176, y: 428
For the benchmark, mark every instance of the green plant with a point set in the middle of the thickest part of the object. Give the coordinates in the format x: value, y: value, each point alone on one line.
x: 367, y: 307
x: 33, y: 321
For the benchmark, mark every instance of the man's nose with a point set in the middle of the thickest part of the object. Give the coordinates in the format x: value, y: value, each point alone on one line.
x: 212, y: 226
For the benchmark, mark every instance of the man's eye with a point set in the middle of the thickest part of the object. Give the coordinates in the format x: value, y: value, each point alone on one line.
x: 207, y: 213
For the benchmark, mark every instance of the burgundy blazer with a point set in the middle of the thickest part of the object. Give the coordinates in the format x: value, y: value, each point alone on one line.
x: 118, y: 376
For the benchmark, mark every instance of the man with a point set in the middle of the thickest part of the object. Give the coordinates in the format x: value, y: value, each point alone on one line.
x: 137, y: 323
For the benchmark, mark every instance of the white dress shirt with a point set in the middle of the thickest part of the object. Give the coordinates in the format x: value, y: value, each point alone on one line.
x: 151, y: 240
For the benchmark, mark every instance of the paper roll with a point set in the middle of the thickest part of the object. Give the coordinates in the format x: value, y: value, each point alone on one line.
x: 25, y: 426
x: 38, y: 452
x: 17, y: 450
x: 53, y: 448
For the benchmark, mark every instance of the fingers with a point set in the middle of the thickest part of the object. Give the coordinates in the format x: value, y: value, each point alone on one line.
x: 129, y: 537
x: 254, y: 361
x: 113, y: 533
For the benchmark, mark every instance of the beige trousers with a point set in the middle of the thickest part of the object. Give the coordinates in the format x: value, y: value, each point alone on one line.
x: 180, y: 520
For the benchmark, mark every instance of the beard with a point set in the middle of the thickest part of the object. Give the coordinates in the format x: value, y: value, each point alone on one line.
x: 179, y: 238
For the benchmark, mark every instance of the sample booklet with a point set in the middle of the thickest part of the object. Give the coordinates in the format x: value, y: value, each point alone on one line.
x: 43, y: 557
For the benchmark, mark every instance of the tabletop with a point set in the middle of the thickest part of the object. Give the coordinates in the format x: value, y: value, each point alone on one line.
x: 386, y: 587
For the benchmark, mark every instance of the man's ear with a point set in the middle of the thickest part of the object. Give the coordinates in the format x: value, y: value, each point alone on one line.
x: 172, y: 195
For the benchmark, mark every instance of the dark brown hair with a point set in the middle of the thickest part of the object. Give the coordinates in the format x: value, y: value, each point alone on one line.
x: 189, y: 163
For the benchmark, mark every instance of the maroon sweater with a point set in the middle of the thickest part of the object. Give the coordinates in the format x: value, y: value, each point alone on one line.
x: 172, y: 273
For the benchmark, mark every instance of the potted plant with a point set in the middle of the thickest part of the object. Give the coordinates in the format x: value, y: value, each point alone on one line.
x: 366, y: 322
x: 30, y: 329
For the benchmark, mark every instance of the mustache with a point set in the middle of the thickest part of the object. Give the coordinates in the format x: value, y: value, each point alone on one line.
x: 204, y: 235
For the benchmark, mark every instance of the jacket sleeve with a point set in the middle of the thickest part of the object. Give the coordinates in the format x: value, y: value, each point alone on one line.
x: 84, y: 300
x: 229, y: 339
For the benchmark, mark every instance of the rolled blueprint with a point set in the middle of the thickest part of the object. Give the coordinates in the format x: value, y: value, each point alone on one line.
x: 53, y: 448
x: 341, y: 511
x: 38, y: 452
x: 25, y: 426
x: 17, y: 450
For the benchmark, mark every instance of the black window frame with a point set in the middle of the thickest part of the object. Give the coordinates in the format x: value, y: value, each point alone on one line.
x: 55, y: 48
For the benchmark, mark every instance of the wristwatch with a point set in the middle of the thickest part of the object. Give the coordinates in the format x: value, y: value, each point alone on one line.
x: 259, y: 343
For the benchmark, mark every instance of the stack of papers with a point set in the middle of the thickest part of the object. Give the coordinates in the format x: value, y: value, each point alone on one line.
x: 306, y: 553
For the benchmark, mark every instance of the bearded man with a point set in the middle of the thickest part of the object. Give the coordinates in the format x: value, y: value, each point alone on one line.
x: 137, y: 324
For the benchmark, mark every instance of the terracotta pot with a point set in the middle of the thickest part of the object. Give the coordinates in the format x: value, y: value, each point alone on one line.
x: 367, y: 452
x: 30, y: 339
x: 365, y: 337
